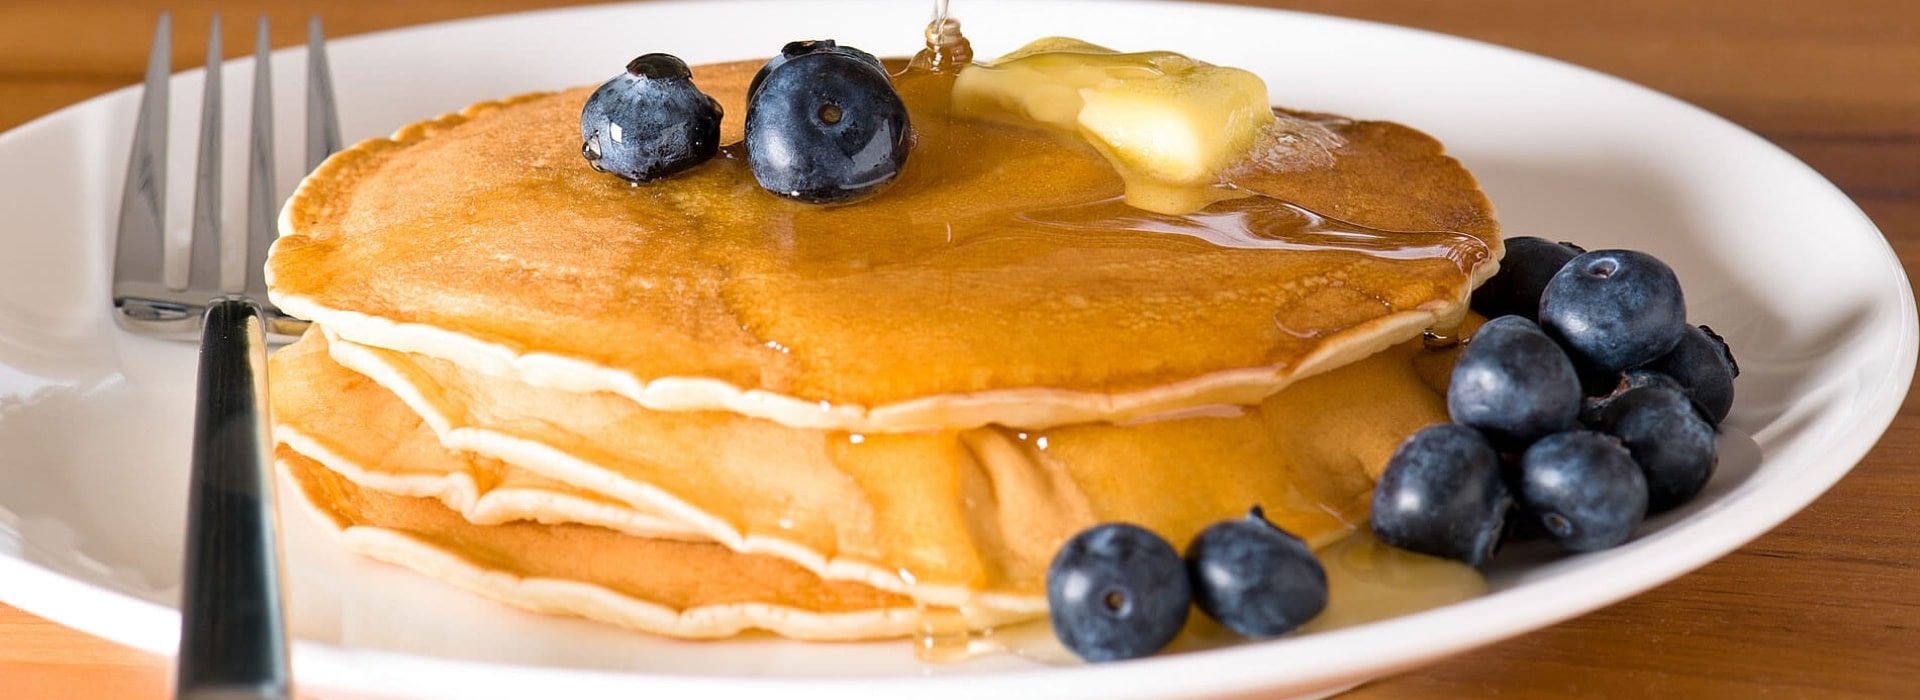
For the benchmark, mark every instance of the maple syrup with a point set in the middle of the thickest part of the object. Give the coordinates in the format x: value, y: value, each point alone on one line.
x: 1367, y: 580
x: 942, y: 636
x: 947, y: 49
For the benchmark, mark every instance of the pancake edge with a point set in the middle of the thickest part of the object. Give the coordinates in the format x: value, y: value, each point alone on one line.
x: 459, y: 492
x: 593, y: 602
x: 552, y: 463
x: 1027, y: 408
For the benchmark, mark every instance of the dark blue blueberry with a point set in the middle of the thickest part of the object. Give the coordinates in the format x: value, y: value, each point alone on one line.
x: 1515, y: 290
x: 1255, y: 578
x: 1513, y: 383
x: 1595, y: 406
x: 801, y: 48
x: 1614, y: 309
x: 1703, y: 364
x: 826, y: 126
x: 1117, y: 591
x: 1442, y: 495
x: 1669, y: 439
x: 649, y: 122
x: 1584, y: 488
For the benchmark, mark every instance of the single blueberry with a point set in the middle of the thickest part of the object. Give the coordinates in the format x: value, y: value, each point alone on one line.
x: 1117, y: 591
x: 1513, y: 383
x: 1442, y: 495
x: 1255, y: 578
x: 649, y: 122
x: 1614, y: 309
x: 795, y: 49
x: 1515, y: 290
x: 1594, y: 407
x: 826, y: 127
x: 1703, y: 364
x: 1669, y: 439
x: 1584, y: 488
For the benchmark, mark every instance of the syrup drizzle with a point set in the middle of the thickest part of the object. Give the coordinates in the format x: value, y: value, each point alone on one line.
x: 1367, y: 579
x: 946, y: 48
x: 942, y: 637
x: 1274, y: 225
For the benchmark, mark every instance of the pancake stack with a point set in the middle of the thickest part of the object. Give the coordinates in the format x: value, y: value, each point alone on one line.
x: 693, y: 409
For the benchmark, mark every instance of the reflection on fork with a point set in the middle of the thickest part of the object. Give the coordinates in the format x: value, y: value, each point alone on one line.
x: 143, y: 300
x: 232, y: 632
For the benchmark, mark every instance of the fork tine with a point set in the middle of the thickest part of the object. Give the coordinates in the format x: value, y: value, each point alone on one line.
x: 262, y: 206
x: 140, y: 241
x: 204, y: 271
x: 323, y: 120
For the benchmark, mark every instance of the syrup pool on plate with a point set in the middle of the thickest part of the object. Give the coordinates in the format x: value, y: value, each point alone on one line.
x: 1367, y: 580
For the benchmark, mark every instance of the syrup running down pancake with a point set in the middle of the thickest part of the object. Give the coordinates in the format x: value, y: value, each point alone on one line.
x: 966, y: 519
x: 1001, y: 280
x: 566, y: 392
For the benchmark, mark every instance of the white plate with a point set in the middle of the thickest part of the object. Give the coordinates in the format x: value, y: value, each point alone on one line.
x: 93, y: 440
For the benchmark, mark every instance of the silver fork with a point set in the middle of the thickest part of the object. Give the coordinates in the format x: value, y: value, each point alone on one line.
x: 232, y: 633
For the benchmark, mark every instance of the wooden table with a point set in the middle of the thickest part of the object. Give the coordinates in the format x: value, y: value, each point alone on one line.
x: 1827, y: 605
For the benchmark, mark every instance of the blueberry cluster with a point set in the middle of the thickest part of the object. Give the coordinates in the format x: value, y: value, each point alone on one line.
x: 824, y: 123
x: 1118, y: 591
x: 1584, y: 404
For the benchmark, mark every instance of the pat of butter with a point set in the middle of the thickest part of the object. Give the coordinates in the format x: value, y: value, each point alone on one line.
x: 1170, y: 125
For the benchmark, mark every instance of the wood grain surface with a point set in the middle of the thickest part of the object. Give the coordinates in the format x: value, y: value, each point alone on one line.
x: 1827, y: 605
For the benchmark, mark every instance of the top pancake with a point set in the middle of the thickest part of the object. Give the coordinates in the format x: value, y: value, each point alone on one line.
x: 999, y: 281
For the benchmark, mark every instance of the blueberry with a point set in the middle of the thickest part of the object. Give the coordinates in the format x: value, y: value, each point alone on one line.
x: 1669, y: 439
x: 826, y: 126
x: 1117, y: 591
x: 1594, y: 406
x: 800, y: 48
x: 1515, y: 290
x: 1584, y: 488
x: 1703, y: 364
x: 1614, y: 309
x: 1513, y: 383
x: 1255, y: 578
x: 1442, y: 495
x: 649, y: 122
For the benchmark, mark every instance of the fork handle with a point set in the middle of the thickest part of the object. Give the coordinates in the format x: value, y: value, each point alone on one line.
x: 232, y: 633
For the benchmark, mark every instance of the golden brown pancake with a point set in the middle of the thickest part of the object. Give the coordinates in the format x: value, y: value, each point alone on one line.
x: 359, y: 429
x: 376, y: 475
x: 999, y: 281
x: 963, y: 519
x: 670, y: 587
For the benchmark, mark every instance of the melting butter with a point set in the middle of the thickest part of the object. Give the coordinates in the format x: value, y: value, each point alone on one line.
x: 1169, y: 124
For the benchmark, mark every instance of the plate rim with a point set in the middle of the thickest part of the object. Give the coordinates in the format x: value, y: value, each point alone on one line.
x: 86, y: 607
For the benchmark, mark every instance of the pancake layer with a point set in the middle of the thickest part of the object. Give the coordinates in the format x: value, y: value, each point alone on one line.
x: 1000, y: 281
x: 965, y: 519
x: 693, y: 590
